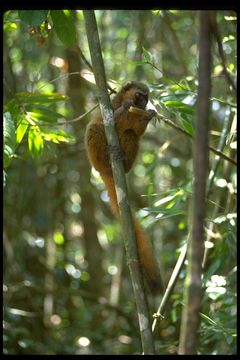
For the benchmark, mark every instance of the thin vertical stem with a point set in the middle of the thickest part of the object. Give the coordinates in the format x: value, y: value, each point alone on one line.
x: 193, y: 294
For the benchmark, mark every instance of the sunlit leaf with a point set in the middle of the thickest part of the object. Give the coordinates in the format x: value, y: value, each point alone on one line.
x: 173, y: 97
x: 31, y: 119
x: 21, y: 130
x: 164, y: 200
x: 56, y: 137
x: 168, y: 198
x: 163, y: 213
x: 187, y: 124
x: 36, y: 98
x: 43, y: 113
x: 212, y: 322
x: 176, y: 87
x: 35, y: 141
x: 180, y: 106
x: 10, y: 26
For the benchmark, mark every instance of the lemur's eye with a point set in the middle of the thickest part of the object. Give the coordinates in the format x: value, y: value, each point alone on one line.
x: 139, y: 95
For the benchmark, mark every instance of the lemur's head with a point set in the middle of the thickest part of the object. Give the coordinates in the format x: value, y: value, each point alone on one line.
x: 137, y: 92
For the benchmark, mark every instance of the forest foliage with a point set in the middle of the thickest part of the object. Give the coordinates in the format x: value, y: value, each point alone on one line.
x: 66, y: 284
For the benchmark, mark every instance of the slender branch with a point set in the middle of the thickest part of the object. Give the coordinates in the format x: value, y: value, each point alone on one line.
x: 188, y: 90
x: 62, y: 76
x: 171, y: 284
x: 217, y: 36
x: 222, y: 141
x: 222, y: 155
x: 112, y: 91
x: 80, y: 117
x: 85, y: 59
x: 212, y: 174
x: 178, y: 128
x: 177, y: 44
x: 193, y: 292
x: 120, y: 181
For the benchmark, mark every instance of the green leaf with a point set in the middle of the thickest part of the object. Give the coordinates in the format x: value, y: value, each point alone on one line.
x: 14, y: 109
x: 213, y: 268
x: 43, y: 113
x: 8, y: 154
x: 180, y: 106
x: 33, y: 98
x: 173, y: 103
x: 8, y: 130
x: 173, y: 194
x: 64, y: 26
x: 229, y: 338
x: 21, y: 130
x: 10, y: 26
x: 218, y: 327
x: 187, y: 124
x: 8, y: 137
x: 172, y: 97
x: 147, y: 56
x: 167, y: 213
x: 186, y: 109
x: 35, y: 141
x: 209, y: 320
x: 178, y: 86
x: 138, y: 62
x: 163, y: 213
x: 57, y: 137
x: 33, y: 17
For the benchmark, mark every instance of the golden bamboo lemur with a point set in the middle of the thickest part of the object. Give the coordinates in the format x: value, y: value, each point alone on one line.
x: 130, y: 127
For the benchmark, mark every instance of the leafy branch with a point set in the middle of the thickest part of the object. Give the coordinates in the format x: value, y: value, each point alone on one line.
x: 178, y: 128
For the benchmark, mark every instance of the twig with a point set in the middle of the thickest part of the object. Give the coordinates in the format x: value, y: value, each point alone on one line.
x: 188, y: 90
x: 217, y: 36
x: 59, y: 77
x: 178, y: 128
x: 171, y: 284
x: 112, y: 91
x: 212, y: 174
x: 80, y: 117
x: 177, y: 44
x: 85, y: 59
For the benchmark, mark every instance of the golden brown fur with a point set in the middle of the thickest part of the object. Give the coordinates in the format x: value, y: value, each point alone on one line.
x: 130, y: 127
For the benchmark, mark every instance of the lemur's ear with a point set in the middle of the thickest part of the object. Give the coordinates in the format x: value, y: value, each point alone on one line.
x: 128, y: 85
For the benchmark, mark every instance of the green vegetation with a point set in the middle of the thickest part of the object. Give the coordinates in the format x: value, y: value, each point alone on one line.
x: 66, y: 287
